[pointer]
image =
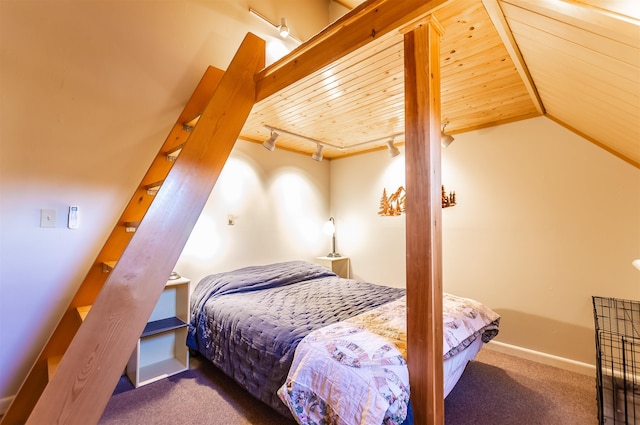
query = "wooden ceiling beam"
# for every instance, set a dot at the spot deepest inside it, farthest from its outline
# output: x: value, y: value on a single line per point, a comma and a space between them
x: 502, y: 27
x: 369, y: 21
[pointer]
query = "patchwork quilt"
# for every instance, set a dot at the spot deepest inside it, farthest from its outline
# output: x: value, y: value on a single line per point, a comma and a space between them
x: 355, y: 372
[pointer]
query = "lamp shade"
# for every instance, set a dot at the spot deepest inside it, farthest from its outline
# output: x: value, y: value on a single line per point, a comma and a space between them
x: 329, y: 227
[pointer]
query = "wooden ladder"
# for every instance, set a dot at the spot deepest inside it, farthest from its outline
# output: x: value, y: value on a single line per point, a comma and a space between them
x: 77, y: 370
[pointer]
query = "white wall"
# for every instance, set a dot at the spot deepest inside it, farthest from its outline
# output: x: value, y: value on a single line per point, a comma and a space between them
x: 544, y: 220
x: 279, y: 202
x: 89, y: 93
x: 375, y: 244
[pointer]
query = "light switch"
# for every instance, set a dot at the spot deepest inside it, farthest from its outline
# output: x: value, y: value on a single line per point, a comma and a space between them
x: 47, y: 218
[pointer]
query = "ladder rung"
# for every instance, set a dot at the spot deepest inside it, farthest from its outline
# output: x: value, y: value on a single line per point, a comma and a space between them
x: 52, y: 365
x: 83, y: 311
x: 173, y: 154
x: 131, y: 226
x: 189, y: 125
x: 153, y: 188
x: 107, y: 266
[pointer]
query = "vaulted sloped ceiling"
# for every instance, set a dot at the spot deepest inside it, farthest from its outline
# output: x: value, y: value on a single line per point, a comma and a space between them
x: 585, y: 65
x: 577, y: 62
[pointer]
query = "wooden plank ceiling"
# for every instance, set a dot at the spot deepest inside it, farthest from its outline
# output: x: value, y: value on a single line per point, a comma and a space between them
x: 501, y: 61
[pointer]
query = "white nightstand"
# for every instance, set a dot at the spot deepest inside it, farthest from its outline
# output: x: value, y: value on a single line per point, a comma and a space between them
x: 161, y: 350
x: 338, y: 265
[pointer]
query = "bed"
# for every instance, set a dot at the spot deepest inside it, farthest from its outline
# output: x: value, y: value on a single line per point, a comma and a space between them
x: 253, y: 323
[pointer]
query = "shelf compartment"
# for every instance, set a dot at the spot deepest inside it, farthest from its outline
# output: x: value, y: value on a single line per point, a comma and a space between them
x: 162, y: 350
x: 163, y: 369
x: 158, y: 356
x: 162, y: 325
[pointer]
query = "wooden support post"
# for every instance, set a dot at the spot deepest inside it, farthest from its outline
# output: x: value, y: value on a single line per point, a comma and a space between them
x: 424, y: 212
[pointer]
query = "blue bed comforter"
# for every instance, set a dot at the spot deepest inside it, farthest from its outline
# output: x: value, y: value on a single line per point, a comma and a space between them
x: 248, y: 322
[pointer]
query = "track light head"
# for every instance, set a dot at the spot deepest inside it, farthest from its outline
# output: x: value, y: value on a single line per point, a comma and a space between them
x: 393, y: 151
x: 283, y: 28
x: 445, y: 139
x: 317, y: 155
x: 270, y: 143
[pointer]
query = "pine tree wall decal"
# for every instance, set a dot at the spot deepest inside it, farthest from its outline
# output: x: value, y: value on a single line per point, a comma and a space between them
x: 395, y: 204
x: 384, y: 204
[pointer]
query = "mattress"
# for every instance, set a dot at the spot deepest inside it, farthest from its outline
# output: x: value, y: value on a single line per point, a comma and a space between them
x: 454, y: 366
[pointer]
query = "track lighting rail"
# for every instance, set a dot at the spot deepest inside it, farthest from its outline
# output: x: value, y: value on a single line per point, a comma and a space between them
x: 445, y: 140
x: 310, y: 139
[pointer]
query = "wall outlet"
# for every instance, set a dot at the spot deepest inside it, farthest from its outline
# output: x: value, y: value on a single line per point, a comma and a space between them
x: 47, y: 218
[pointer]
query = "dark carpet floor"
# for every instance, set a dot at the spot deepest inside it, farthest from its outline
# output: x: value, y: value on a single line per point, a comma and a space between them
x: 495, y: 389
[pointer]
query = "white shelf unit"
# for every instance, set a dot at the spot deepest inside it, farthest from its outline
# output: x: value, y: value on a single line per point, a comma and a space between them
x: 338, y: 265
x: 161, y: 350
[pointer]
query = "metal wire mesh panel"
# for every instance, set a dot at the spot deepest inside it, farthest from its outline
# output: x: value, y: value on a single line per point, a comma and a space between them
x: 617, y: 324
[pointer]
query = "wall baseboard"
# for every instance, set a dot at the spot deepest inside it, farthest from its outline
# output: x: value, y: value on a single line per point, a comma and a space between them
x: 544, y: 358
x: 4, y: 404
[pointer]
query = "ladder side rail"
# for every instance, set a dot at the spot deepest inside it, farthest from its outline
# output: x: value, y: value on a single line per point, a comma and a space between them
x: 37, y: 378
x: 93, y: 363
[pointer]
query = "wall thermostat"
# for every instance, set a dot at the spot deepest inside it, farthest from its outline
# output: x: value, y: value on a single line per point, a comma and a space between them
x: 74, y: 217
